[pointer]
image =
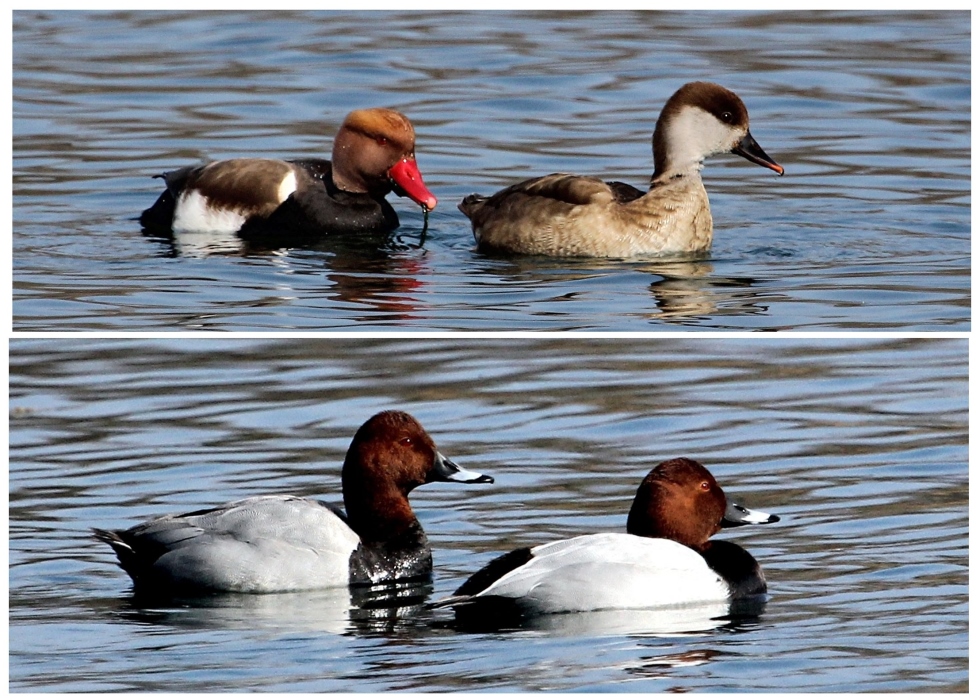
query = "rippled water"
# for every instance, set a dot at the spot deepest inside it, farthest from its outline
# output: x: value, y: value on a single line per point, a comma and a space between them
x: 868, y: 112
x: 859, y: 445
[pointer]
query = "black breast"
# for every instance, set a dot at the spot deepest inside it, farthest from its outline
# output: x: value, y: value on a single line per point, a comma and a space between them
x: 318, y: 209
x: 737, y: 567
x: 405, y: 557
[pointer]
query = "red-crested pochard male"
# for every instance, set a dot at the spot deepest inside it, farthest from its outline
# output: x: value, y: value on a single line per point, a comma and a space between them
x: 571, y: 215
x: 373, y: 154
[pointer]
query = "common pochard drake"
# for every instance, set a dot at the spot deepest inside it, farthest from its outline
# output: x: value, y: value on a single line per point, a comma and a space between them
x: 576, y: 216
x: 286, y: 543
x: 373, y: 154
x: 665, y: 559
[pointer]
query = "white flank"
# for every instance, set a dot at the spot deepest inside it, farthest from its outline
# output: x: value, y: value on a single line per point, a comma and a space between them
x: 195, y: 213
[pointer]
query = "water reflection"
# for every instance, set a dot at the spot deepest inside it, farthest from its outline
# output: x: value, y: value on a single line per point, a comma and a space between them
x: 388, y: 608
x: 203, y: 244
x: 681, y: 620
x: 383, y: 275
x: 384, y: 609
x: 661, y: 666
x: 386, y: 273
x: 688, y: 289
x: 197, y: 244
x: 679, y: 288
x: 326, y: 611
x: 678, y: 298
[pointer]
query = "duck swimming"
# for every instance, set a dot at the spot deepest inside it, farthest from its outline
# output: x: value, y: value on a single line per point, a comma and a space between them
x: 576, y: 216
x: 279, y: 543
x: 665, y: 559
x: 259, y: 198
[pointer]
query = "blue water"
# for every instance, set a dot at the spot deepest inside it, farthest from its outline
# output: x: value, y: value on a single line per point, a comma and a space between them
x: 859, y: 445
x: 869, y: 113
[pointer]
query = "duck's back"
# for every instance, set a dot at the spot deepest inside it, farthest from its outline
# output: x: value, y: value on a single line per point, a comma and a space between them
x: 267, y: 543
x: 265, y: 201
x: 609, y: 571
x: 568, y: 216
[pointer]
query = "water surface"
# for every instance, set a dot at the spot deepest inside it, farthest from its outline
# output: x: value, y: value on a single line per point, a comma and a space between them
x: 860, y: 446
x: 869, y: 113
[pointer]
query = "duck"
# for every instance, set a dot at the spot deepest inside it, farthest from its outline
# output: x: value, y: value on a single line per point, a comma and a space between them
x: 261, y: 198
x: 665, y: 559
x: 282, y: 543
x: 564, y: 215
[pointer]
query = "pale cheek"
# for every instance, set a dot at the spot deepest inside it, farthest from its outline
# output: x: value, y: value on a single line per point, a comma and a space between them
x: 696, y: 134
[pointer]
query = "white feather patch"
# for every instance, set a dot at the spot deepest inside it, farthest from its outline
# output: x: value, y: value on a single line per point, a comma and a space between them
x: 194, y: 212
x: 287, y: 187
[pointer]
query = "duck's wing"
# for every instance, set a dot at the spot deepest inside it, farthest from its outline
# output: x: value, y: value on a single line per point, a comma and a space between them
x: 551, y: 190
x: 547, y: 215
x: 257, y: 544
x: 624, y: 193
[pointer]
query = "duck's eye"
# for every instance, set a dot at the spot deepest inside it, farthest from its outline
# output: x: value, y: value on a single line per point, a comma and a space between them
x: 705, y: 486
x: 406, y: 441
x: 382, y: 141
x: 726, y: 117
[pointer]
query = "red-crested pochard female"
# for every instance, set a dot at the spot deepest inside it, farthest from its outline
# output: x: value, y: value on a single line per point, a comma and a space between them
x: 373, y: 154
x: 570, y: 215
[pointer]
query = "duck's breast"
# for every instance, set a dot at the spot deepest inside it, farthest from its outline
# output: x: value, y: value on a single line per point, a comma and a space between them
x: 610, y: 571
x: 672, y: 218
x: 263, y: 544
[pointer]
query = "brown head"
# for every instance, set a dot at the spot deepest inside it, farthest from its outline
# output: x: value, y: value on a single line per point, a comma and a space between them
x: 389, y: 456
x: 678, y: 500
x: 374, y: 152
x: 699, y: 120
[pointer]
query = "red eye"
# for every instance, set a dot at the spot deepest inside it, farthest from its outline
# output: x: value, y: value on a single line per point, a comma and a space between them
x: 406, y: 441
x: 705, y: 486
x: 382, y: 141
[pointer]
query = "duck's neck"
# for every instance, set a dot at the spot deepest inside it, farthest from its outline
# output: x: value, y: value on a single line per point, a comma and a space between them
x: 675, y: 150
x: 665, y: 172
x: 393, y: 545
x: 377, y: 514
